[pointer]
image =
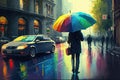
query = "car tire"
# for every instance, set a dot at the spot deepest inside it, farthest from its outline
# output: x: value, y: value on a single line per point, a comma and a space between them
x: 32, y: 52
x: 53, y: 49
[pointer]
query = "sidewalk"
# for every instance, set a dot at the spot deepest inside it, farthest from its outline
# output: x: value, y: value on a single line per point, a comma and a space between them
x: 113, y: 61
x: 114, y: 51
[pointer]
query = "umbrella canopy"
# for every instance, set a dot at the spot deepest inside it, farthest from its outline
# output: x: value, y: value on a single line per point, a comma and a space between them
x: 73, y: 22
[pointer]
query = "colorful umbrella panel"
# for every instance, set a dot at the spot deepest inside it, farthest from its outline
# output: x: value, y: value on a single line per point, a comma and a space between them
x: 73, y: 22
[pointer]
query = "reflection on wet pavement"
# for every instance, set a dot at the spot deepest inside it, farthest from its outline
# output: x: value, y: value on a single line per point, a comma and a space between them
x: 94, y: 64
x: 32, y: 69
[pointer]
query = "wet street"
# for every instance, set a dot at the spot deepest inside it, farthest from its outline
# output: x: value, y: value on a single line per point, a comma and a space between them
x: 94, y: 64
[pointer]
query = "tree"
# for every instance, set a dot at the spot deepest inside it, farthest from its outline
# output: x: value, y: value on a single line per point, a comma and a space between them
x: 99, y: 10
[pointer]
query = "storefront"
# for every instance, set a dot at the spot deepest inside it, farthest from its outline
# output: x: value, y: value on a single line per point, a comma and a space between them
x: 3, y: 25
x: 14, y: 23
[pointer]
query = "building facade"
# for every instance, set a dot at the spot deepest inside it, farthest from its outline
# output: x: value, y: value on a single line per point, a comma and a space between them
x: 22, y: 17
x: 57, y: 13
x: 116, y: 15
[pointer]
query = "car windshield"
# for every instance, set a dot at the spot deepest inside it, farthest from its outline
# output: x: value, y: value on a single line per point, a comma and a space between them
x: 24, y: 39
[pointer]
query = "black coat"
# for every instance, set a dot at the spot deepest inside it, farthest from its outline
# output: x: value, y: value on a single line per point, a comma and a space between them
x: 74, y: 39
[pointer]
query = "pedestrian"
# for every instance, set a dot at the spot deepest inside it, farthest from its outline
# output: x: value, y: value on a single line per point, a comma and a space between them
x: 112, y: 40
x: 89, y: 40
x: 74, y: 39
x: 107, y: 42
x: 102, y: 41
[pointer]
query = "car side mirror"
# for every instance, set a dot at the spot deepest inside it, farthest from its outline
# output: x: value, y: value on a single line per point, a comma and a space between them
x: 37, y: 41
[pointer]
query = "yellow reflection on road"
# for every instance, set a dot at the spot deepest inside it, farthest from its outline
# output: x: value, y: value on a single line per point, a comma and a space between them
x: 5, y: 70
x: 61, y: 56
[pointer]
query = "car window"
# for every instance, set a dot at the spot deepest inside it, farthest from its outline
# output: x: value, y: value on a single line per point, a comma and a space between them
x: 29, y: 39
x: 19, y: 38
x: 39, y: 38
x: 24, y: 39
x: 46, y: 38
x: 42, y: 38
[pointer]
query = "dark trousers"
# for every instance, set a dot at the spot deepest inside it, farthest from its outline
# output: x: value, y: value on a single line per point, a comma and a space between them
x: 75, y: 61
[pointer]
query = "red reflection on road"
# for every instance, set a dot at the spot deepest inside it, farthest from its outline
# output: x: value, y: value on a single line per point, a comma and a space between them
x: 11, y: 63
x: 101, y: 64
x: 88, y: 63
x: 59, y: 51
x: 59, y: 59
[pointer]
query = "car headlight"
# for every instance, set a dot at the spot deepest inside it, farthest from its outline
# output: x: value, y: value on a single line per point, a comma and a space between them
x: 4, y: 46
x: 22, y: 47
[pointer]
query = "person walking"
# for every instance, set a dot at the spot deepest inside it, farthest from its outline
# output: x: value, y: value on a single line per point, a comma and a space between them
x: 107, y: 42
x: 102, y: 41
x: 74, y: 39
x: 89, y: 40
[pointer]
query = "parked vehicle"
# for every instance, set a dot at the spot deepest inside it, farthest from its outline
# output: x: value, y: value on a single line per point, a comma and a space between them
x: 28, y: 45
x: 59, y: 39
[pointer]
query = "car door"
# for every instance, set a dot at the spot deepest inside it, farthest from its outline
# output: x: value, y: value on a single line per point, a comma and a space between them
x: 40, y: 44
x: 48, y: 43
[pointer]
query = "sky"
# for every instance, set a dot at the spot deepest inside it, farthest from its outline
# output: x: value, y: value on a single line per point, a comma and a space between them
x: 80, y: 5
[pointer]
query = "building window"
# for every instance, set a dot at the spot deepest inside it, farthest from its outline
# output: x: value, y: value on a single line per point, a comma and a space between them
x: 3, y: 26
x: 36, y: 26
x: 3, y: 3
x: 24, y: 5
x: 37, y: 7
x: 21, y: 26
x: 49, y: 9
x: 21, y: 4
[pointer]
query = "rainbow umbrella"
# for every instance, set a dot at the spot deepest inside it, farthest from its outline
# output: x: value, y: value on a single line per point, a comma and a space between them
x: 73, y: 22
